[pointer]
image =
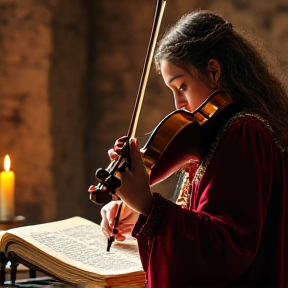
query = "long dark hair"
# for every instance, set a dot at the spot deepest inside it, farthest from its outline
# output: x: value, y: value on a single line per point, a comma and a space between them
x: 246, y: 74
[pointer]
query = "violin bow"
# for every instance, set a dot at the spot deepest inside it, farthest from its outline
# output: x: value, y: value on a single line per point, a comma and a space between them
x: 108, y: 181
x: 159, y: 11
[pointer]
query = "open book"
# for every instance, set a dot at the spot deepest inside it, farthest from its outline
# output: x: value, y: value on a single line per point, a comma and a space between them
x: 74, y: 251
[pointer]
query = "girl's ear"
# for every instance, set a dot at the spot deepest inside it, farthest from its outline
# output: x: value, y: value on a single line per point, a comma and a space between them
x: 214, y: 72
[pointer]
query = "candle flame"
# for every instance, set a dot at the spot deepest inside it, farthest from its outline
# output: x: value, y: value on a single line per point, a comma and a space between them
x: 7, y: 163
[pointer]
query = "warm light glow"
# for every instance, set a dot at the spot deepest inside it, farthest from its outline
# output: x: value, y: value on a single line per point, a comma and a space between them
x: 7, y: 163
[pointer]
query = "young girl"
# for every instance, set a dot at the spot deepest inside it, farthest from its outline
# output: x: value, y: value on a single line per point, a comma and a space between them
x: 227, y: 227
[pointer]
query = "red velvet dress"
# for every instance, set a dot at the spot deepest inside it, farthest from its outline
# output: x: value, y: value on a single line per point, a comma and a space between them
x: 231, y: 232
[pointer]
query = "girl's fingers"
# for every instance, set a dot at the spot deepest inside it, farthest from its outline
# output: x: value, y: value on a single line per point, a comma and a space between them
x: 106, y: 229
x: 112, y: 154
x: 136, y: 159
x: 108, y: 213
x: 128, y: 218
x: 124, y: 231
x: 120, y: 143
x: 120, y: 237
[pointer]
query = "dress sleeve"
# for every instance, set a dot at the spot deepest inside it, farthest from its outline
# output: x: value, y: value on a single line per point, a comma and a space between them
x: 217, y: 238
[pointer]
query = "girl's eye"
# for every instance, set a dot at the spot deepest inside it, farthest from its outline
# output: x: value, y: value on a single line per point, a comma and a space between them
x: 182, y: 87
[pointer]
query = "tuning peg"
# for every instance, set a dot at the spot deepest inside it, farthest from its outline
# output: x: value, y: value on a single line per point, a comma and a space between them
x: 102, y: 174
x: 113, y: 182
x: 99, y: 195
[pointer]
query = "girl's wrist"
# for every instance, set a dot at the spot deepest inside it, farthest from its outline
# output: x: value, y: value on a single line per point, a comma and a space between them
x: 148, y: 206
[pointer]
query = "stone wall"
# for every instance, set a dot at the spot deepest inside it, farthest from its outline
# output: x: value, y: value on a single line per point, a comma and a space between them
x: 69, y: 74
x: 25, y: 112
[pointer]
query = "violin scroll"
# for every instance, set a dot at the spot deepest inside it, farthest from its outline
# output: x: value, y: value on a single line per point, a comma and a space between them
x: 109, y: 178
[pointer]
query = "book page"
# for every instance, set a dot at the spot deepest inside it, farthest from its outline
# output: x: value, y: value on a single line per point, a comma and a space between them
x: 80, y: 243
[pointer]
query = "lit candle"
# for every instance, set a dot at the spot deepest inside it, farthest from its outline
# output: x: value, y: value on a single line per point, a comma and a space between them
x: 7, y: 184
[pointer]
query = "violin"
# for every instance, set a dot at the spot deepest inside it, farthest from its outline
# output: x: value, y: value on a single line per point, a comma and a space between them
x: 181, y: 137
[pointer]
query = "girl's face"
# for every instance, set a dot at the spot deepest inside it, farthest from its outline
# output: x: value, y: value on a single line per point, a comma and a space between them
x: 190, y: 87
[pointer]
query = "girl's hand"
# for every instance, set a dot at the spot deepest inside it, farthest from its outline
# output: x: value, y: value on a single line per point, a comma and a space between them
x: 135, y: 188
x: 127, y: 220
x: 119, y: 143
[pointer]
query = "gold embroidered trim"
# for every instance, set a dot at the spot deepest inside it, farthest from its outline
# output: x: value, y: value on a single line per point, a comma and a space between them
x: 245, y: 113
x: 184, y: 194
x: 158, y: 211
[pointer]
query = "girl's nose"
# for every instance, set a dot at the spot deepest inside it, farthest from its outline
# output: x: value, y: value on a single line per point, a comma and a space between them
x: 179, y: 101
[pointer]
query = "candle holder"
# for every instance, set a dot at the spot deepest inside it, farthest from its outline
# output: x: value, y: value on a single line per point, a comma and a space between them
x: 14, y: 222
